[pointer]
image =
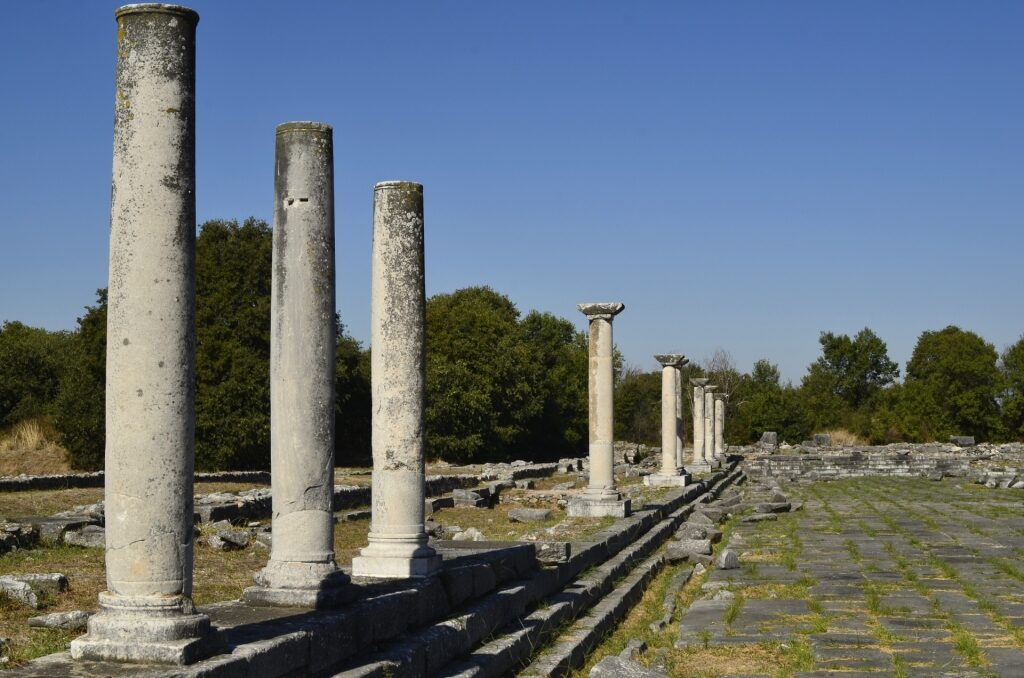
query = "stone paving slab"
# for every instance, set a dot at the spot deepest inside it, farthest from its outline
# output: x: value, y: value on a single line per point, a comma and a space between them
x: 877, y: 576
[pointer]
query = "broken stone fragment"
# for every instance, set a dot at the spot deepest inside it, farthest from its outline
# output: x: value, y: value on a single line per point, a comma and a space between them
x: 529, y: 515
x: 468, y: 498
x: 19, y: 592
x: 471, y: 534
x: 728, y: 560
x: 617, y: 667
x: 69, y: 621
x: 759, y: 517
x: 90, y: 536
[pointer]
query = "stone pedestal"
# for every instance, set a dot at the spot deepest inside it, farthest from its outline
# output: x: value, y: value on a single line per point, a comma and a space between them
x: 397, y: 541
x: 700, y: 464
x: 670, y: 474
x: 301, y: 571
x: 600, y: 498
x: 720, y: 427
x: 709, y: 426
x: 146, y: 613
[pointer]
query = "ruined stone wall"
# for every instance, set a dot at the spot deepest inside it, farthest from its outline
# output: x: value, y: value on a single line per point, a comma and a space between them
x: 993, y: 465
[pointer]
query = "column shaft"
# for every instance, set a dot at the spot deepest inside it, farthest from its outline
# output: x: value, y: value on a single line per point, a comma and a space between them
x: 680, y: 427
x: 719, y: 427
x: 147, y: 612
x: 303, y: 335
x: 398, y: 541
x: 698, y: 426
x: 668, y: 421
x: 602, y: 410
x: 709, y: 427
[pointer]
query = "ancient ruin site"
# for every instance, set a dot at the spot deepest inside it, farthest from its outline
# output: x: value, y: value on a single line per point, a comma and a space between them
x: 245, y: 490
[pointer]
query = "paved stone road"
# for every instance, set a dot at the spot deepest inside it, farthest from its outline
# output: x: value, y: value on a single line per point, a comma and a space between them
x: 875, y: 576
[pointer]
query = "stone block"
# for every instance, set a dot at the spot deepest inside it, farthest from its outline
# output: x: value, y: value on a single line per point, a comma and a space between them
x: 468, y: 498
x: 584, y: 507
x: 553, y: 551
x: 962, y: 441
x: 69, y: 621
x: 822, y: 440
x: 529, y: 515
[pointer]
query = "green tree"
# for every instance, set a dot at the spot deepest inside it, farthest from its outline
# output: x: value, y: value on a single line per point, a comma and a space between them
x: 31, y: 362
x: 233, y: 272
x: 638, y: 406
x: 858, y: 368
x: 352, y: 402
x: 481, y: 377
x: 559, y: 351
x: 1012, y: 366
x: 79, y: 409
x: 953, y: 385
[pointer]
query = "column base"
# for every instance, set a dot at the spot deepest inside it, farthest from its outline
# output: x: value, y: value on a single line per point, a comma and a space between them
x: 393, y: 567
x: 659, y: 480
x: 702, y: 467
x: 288, y: 583
x: 146, y: 629
x: 590, y: 507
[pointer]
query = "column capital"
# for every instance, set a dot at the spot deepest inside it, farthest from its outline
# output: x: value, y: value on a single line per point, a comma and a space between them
x: 671, y: 359
x: 701, y: 381
x: 721, y: 396
x: 710, y: 387
x: 601, y: 310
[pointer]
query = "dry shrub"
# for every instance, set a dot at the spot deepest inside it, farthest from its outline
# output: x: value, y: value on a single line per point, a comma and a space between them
x: 30, y: 447
x: 841, y: 436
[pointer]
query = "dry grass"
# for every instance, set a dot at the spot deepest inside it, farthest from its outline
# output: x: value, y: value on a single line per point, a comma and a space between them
x: 841, y: 436
x: 31, y: 447
x: 218, y: 576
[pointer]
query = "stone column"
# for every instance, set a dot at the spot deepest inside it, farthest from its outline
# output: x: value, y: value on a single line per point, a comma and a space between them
x: 398, y: 541
x: 680, y: 426
x: 670, y: 474
x: 301, y: 571
x: 700, y: 464
x: 709, y: 426
x: 146, y: 613
x: 720, y: 399
x: 600, y: 498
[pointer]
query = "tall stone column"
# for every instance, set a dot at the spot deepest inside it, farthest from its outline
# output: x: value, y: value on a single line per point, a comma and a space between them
x: 680, y: 427
x: 670, y: 474
x: 700, y: 463
x: 146, y: 613
x: 600, y: 498
x: 720, y: 426
x: 709, y: 426
x: 398, y: 541
x: 301, y: 571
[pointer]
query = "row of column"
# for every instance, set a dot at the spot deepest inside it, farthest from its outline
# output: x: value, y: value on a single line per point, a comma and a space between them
x: 708, y: 425
x: 146, y: 613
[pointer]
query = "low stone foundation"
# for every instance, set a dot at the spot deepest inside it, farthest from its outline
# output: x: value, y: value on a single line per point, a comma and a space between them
x: 992, y: 465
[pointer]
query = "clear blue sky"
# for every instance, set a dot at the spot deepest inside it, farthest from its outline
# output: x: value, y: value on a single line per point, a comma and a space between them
x: 742, y: 175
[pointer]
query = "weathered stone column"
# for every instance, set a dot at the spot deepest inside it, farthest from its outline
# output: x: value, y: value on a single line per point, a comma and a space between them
x: 670, y: 473
x: 146, y: 613
x: 398, y: 541
x: 600, y: 498
x: 709, y: 426
x: 700, y: 463
x: 720, y: 399
x: 680, y: 426
x: 301, y: 571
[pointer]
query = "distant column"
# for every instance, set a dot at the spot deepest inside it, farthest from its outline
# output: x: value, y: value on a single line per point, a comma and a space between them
x: 680, y: 426
x: 670, y: 474
x: 146, y: 613
x: 720, y: 426
x: 699, y: 462
x: 398, y: 540
x: 709, y: 426
x: 301, y: 570
x: 600, y: 498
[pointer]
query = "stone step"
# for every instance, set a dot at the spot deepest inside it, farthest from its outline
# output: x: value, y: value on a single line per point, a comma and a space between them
x: 608, y: 591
